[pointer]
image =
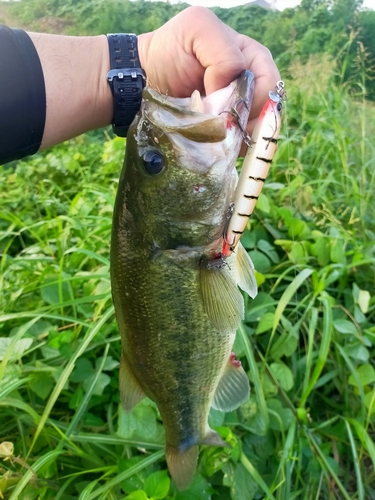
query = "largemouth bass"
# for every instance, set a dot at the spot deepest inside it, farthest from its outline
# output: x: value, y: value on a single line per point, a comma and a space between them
x: 176, y: 298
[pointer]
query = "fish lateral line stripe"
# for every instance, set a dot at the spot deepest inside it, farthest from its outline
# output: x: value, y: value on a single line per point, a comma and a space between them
x: 266, y: 160
x: 270, y: 139
x: 260, y: 179
x: 251, y: 197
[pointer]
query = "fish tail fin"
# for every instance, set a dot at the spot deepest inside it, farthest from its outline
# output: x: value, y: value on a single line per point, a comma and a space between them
x: 182, y: 464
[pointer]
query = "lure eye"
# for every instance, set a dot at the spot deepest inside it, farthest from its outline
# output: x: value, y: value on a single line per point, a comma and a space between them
x: 153, y: 161
x: 279, y: 107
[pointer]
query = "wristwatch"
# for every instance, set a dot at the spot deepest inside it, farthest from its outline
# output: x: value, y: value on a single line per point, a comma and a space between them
x: 126, y: 80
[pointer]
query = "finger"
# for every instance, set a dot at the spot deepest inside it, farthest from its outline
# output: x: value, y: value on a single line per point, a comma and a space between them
x: 215, y: 49
x: 259, y: 60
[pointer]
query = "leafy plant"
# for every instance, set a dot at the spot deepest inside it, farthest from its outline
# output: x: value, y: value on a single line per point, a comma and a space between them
x: 307, y: 341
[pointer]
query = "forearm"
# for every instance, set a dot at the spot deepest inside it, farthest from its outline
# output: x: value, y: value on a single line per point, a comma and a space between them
x: 78, y: 96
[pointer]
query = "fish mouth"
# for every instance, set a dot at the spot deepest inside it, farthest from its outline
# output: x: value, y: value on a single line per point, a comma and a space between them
x: 202, y: 119
x: 203, y: 130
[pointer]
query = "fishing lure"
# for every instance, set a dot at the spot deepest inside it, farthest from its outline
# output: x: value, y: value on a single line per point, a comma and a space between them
x: 255, y: 167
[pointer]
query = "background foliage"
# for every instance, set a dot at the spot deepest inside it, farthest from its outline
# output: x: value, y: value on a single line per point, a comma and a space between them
x: 307, y: 341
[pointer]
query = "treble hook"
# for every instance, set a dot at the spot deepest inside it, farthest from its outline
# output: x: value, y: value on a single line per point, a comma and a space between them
x: 245, y: 136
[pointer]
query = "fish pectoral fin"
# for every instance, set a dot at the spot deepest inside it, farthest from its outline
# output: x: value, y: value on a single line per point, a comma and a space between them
x: 233, y: 388
x: 222, y: 301
x: 181, y: 464
x: 245, y: 272
x: 130, y: 390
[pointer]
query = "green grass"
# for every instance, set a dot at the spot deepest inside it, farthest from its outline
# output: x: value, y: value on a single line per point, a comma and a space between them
x: 307, y: 341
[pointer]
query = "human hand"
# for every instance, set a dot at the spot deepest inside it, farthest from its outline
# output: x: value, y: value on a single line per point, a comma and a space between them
x: 195, y: 50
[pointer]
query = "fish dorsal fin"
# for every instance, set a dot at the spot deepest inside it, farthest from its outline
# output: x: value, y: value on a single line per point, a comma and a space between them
x: 245, y: 272
x: 181, y: 464
x: 222, y: 301
x: 233, y: 388
x: 130, y: 390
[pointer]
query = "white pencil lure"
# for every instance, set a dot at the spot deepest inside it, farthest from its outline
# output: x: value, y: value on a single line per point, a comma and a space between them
x: 255, y: 168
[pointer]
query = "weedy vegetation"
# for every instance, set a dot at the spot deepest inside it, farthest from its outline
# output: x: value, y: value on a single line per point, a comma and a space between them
x: 307, y: 341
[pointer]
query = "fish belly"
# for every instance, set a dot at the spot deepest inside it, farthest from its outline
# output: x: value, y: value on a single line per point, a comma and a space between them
x: 169, y: 343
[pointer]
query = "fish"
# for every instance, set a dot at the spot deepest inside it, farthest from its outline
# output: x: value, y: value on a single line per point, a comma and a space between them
x: 256, y: 164
x: 177, y: 301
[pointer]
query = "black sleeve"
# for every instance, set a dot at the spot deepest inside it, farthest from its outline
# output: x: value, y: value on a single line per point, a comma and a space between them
x: 22, y: 96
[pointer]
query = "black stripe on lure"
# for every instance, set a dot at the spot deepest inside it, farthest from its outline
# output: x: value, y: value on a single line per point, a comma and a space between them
x: 255, y: 168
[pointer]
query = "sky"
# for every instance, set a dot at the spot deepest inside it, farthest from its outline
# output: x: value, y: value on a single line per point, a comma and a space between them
x: 280, y: 4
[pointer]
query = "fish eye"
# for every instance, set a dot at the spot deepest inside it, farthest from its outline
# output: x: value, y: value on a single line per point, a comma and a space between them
x: 153, y: 161
x: 279, y: 107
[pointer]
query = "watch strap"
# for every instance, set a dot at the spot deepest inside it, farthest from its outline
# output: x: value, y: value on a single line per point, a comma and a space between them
x: 126, y: 80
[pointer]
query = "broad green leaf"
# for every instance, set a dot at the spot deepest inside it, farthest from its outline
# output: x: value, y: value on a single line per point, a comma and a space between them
x: 268, y: 385
x: 285, y: 345
x: 357, y: 351
x: 298, y: 229
x: 269, y: 250
x: 345, y: 326
x: 280, y: 417
x: 248, y: 239
x: 263, y: 203
x: 283, y: 375
x: 299, y: 252
x: 321, y: 250
x: 244, y: 486
x: 42, y: 384
x: 39, y: 328
x: 216, y: 418
x: 337, y: 251
x: 265, y: 323
x: 137, y: 495
x: 56, y: 338
x: 109, y: 365
x: 141, y: 423
x: 82, y: 370
x: 198, y: 489
x: 366, y: 374
x: 102, y: 381
x: 261, y: 262
x: 157, y: 485
x: 364, y: 300
x: 258, y: 306
x: 19, y: 347
x: 56, y: 290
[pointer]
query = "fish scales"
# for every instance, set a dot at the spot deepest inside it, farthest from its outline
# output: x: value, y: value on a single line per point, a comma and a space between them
x: 177, y: 315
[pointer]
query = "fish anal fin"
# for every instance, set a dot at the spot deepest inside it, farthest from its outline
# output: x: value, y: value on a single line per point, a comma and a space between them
x: 130, y: 390
x: 233, y: 388
x: 182, y: 464
x: 222, y: 301
x: 245, y: 272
